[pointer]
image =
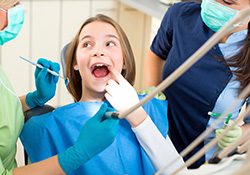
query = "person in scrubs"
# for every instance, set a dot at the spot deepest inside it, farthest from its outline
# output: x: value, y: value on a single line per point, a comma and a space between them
x: 12, y: 108
x: 211, y: 84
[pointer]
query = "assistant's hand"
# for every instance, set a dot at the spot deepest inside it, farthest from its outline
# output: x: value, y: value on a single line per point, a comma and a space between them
x: 96, y: 135
x: 45, y: 84
x: 122, y: 96
x: 230, y: 136
x: 148, y: 90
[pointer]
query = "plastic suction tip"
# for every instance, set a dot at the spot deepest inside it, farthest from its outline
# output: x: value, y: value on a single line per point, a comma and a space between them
x: 112, y: 114
x: 214, y: 160
x: 66, y: 81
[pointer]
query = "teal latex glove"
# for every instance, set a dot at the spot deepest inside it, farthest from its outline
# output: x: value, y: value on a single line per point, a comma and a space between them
x: 96, y: 135
x: 230, y: 136
x: 45, y: 84
x: 148, y: 90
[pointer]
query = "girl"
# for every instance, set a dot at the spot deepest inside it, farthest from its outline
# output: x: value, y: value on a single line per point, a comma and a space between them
x: 100, y: 66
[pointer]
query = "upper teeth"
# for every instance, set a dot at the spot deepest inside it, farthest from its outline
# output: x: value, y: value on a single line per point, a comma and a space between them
x: 100, y: 65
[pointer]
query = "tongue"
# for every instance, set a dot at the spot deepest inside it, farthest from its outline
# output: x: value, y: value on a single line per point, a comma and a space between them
x: 100, y: 72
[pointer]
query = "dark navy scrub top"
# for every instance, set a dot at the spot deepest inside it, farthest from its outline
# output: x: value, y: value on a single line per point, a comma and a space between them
x: 182, y: 32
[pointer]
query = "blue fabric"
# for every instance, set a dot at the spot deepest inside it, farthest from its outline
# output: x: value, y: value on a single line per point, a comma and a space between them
x: 47, y: 135
x: 182, y: 32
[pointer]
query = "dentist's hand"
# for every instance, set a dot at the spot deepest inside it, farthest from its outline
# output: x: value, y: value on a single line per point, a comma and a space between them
x: 96, y: 135
x: 121, y: 95
x: 230, y: 136
x: 45, y: 84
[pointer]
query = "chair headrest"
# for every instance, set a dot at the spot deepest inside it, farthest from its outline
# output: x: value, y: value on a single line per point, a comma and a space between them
x: 63, y: 58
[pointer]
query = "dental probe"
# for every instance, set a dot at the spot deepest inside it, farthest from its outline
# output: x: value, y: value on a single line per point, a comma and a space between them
x: 50, y: 71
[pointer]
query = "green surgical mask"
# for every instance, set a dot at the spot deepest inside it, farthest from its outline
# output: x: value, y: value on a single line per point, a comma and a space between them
x: 15, y: 22
x: 215, y: 15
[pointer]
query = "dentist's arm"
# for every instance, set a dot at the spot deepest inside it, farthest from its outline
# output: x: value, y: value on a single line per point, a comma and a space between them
x: 25, y: 107
x: 48, y: 166
x: 153, y: 69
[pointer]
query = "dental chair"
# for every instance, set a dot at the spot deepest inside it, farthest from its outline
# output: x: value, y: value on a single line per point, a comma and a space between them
x: 63, y: 59
x: 46, y: 108
x: 35, y: 112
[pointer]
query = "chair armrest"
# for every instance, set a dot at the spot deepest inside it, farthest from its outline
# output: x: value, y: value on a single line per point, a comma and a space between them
x: 37, y: 111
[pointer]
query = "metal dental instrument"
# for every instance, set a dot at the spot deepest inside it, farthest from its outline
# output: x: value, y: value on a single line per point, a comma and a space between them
x: 66, y: 80
x: 225, y: 125
x: 231, y: 147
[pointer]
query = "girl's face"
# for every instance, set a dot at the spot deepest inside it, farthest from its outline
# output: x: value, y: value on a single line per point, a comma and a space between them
x: 235, y: 4
x: 99, y: 47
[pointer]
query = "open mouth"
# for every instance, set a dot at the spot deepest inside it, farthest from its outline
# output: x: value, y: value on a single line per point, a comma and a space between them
x: 99, y: 70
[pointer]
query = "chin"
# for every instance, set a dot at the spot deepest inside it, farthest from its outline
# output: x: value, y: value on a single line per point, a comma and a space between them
x: 100, y: 89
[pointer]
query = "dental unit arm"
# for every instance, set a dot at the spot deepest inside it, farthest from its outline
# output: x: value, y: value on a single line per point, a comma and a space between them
x: 241, y: 18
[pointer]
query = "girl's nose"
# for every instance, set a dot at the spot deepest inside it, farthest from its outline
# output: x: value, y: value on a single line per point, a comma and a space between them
x: 97, y: 54
x: 98, y: 51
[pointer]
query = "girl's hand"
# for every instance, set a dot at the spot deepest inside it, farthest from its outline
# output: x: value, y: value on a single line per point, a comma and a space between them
x: 121, y: 95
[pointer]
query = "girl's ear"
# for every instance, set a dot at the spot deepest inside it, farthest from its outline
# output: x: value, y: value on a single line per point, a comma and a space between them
x: 124, y: 66
x: 76, y: 67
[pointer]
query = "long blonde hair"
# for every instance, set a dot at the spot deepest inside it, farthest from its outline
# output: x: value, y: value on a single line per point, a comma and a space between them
x: 75, y: 85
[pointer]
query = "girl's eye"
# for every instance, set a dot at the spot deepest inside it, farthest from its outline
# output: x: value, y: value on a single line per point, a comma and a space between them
x: 110, y: 44
x: 86, y: 45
